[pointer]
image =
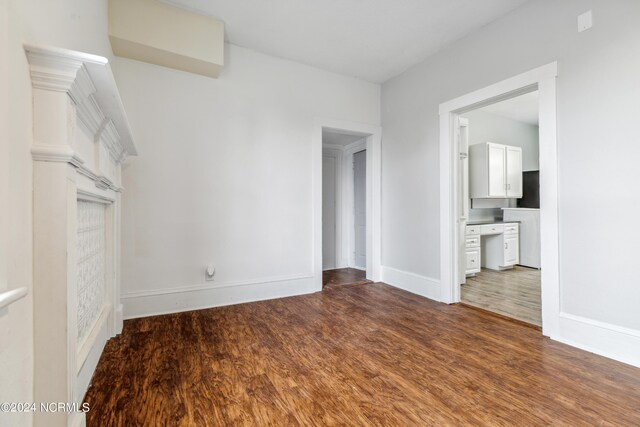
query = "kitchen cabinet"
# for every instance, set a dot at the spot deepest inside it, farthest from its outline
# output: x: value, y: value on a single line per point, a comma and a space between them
x: 472, y: 250
x: 495, y: 171
x: 495, y: 246
x: 502, y: 251
x: 529, y: 219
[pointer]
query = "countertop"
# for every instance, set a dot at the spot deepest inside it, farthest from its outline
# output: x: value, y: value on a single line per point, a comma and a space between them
x: 490, y: 222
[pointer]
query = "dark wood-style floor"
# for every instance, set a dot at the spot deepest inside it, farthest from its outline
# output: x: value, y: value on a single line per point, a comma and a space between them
x: 353, y: 355
x: 343, y: 276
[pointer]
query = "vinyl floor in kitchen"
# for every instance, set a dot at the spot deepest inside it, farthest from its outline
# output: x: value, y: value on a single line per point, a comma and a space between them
x: 512, y: 293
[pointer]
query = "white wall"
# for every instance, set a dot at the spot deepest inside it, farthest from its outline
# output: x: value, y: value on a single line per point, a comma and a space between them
x: 225, y: 176
x: 74, y: 24
x: 597, y: 136
x: 487, y: 127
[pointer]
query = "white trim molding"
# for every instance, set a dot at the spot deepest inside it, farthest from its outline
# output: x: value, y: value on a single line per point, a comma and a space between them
x: 89, y: 83
x: 76, y: 109
x: 420, y: 285
x: 197, y: 297
x: 605, y: 339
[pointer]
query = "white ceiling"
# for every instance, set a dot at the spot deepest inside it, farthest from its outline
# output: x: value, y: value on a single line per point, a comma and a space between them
x: 340, y: 137
x: 522, y: 108
x: 369, y: 39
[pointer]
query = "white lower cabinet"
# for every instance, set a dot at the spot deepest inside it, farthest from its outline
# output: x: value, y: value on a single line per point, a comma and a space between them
x: 502, y: 250
x: 511, y: 250
x: 472, y: 245
x: 494, y: 246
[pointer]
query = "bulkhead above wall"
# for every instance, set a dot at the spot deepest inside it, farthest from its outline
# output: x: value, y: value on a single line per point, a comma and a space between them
x: 157, y: 33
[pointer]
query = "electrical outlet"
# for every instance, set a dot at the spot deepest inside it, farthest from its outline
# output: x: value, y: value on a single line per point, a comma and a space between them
x: 209, y: 272
x: 585, y: 21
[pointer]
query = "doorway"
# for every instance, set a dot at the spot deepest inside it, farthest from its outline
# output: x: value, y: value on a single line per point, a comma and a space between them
x: 499, y: 186
x: 453, y: 217
x: 349, y: 194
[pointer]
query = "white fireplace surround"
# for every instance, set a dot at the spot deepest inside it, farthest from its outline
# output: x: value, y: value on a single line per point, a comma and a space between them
x: 81, y: 136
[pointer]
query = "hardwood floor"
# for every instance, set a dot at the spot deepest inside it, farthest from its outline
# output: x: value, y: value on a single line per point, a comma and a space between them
x: 343, y: 276
x: 513, y: 293
x: 353, y: 355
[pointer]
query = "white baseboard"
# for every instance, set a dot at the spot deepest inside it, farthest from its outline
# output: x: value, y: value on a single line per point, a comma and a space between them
x: 90, y: 362
x: 605, y: 339
x: 174, y: 300
x: 119, y: 320
x: 411, y: 282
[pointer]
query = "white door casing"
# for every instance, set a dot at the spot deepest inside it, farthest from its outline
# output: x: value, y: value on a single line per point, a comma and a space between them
x: 462, y: 135
x: 329, y: 209
x: 360, y: 208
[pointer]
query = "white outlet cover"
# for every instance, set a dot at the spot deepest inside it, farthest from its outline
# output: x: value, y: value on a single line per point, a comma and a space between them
x: 209, y: 272
x: 585, y: 21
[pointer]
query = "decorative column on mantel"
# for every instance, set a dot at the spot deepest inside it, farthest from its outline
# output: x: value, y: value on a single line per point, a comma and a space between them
x: 80, y: 138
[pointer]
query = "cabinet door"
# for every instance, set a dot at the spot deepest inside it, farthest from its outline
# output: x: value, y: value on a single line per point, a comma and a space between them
x: 514, y: 171
x: 473, y: 261
x: 511, y: 250
x: 496, y: 168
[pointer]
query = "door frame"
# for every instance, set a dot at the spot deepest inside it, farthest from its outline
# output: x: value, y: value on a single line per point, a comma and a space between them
x: 373, y: 135
x: 337, y: 154
x: 542, y: 79
x: 350, y: 202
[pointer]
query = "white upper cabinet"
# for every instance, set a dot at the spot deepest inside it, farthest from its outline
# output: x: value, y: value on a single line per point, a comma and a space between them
x: 495, y: 171
x: 495, y: 167
x: 513, y: 168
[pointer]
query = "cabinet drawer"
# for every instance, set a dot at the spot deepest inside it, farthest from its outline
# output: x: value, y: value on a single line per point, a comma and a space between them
x: 472, y: 229
x: 473, y: 261
x: 491, y: 229
x: 472, y: 241
x: 510, y: 228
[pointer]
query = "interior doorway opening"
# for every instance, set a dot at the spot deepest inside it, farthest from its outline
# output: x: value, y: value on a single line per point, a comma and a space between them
x: 344, y: 207
x: 499, y: 196
x: 453, y: 220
